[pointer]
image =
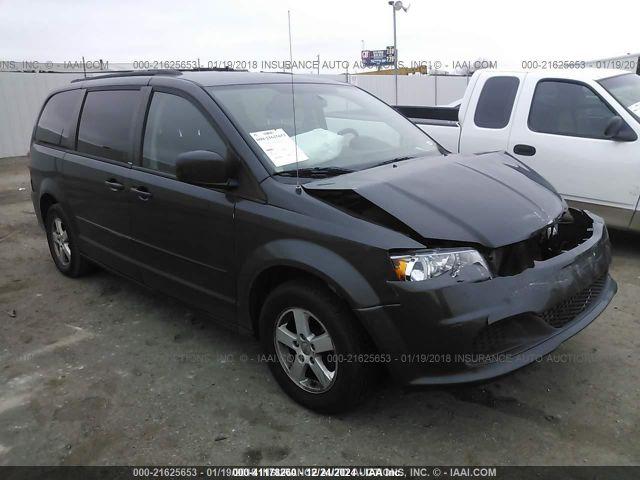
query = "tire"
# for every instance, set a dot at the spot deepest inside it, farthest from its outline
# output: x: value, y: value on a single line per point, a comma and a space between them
x: 347, y: 378
x: 64, y: 248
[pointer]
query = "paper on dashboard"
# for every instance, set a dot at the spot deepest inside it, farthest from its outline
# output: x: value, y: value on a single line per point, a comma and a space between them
x: 279, y: 147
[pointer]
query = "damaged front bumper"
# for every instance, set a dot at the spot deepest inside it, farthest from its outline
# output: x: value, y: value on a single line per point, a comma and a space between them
x: 474, y: 331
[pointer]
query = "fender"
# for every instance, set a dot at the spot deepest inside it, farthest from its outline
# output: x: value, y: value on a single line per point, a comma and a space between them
x: 51, y: 186
x: 319, y: 261
x: 45, y: 166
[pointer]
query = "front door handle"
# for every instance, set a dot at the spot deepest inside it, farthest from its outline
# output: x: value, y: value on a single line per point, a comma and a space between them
x: 526, y: 150
x: 114, y: 185
x: 142, y: 192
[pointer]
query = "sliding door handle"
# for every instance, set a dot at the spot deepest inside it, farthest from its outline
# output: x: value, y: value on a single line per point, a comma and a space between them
x: 142, y: 192
x: 114, y: 185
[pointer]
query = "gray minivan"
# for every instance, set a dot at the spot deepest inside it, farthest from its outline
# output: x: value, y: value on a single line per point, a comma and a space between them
x: 314, y: 216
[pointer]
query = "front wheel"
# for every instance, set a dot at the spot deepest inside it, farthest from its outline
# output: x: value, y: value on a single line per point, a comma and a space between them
x: 316, y: 350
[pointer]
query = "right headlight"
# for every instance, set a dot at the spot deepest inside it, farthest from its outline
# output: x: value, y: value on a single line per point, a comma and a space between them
x: 427, y: 264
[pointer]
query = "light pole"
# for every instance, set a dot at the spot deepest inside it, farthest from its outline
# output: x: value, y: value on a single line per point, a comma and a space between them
x: 397, y: 5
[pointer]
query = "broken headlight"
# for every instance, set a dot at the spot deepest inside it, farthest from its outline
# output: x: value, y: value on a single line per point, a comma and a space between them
x: 465, y: 264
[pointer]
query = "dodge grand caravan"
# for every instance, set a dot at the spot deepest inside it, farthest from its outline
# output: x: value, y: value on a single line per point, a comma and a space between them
x: 313, y: 215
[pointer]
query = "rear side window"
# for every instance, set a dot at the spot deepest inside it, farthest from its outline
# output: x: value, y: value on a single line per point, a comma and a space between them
x: 174, y: 126
x: 56, y: 122
x: 496, y: 102
x: 106, y: 124
x: 564, y: 108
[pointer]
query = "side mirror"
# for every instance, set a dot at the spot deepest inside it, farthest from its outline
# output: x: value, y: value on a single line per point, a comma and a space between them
x: 613, y: 127
x: 617, y: 129
x: 205, y: 168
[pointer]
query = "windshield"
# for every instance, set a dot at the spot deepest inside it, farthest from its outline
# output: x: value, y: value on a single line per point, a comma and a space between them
x: 626, y: 90
x: 338, y: 128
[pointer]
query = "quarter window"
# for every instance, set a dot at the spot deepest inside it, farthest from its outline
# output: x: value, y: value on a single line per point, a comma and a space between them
x: 55, y: 125
x: 564, y: 108
x: 496, y: 102
x: 106, y: 126
x: 174, y: 126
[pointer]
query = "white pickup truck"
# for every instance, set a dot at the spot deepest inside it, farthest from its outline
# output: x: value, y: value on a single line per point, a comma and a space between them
x: 579, y: 129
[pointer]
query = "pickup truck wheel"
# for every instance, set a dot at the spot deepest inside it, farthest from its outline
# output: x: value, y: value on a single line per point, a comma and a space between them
x: 63, y: 244
x: 314, y: 347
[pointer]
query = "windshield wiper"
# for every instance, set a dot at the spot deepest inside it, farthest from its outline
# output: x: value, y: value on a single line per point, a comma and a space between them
x: 315, y: 172
x: 394, y: 160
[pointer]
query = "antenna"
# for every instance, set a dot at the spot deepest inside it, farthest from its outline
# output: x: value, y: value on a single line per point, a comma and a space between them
x: 293, y: 103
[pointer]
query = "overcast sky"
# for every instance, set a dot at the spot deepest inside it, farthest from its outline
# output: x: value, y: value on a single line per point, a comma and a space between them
x: 445, y: 31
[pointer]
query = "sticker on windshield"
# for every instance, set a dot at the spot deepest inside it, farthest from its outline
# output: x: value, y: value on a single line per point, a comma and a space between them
x: 635, y: 108
x: 278, y: 146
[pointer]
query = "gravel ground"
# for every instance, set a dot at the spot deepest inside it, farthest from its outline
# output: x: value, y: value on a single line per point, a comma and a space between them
x: 101, y: 371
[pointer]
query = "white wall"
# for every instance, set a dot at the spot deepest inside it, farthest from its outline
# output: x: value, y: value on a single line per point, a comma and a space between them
x: 21, y: 97
x: 422, y: 90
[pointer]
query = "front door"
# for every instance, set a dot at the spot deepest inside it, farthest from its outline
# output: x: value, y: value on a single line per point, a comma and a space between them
x: 183, y: 234
x: 561, y: 136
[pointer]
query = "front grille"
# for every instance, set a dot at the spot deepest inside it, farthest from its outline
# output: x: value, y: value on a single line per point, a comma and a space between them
x: 491, y: 339
x: 574, y: 228
x: 516, y: 332
x: 569, y: 309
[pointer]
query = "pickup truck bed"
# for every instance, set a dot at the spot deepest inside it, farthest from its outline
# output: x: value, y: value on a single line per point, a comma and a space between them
x: 440, y: 122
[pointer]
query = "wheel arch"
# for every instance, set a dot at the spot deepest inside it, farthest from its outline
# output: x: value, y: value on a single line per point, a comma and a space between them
x: 283, y: 260
x: 49, y: 194
x: 46, y: 201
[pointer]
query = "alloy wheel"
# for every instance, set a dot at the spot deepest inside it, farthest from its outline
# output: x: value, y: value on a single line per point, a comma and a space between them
x: 60, y: 241
x: 305, y: 350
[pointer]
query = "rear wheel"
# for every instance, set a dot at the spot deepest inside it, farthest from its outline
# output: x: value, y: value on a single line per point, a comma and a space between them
x: 314, y: 346
x: 63, y: 243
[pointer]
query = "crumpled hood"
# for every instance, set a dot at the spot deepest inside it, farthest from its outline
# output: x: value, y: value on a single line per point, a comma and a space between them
x: 491, y: 199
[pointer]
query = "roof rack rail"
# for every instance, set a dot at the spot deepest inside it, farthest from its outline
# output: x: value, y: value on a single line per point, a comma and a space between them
x: 213, y: 69
x: 131, y: 73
